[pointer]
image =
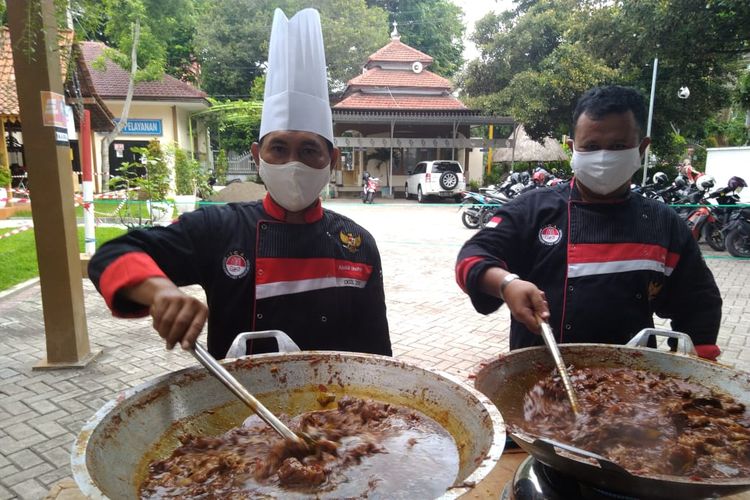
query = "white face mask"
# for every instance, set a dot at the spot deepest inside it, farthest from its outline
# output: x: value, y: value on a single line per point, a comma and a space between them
x: 604, y: 171
x: 294, y: 185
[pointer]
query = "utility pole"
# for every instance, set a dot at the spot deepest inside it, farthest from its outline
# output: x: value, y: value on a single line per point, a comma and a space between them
x: 36, y: 60
x: 650, y: 116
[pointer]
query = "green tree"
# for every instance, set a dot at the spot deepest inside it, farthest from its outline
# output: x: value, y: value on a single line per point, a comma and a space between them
x: 537, y: 59
x: 232, y: 39
x: 433, y: 26
x: 169, y: 27
x: 235, y: 123
x: 143, y: 36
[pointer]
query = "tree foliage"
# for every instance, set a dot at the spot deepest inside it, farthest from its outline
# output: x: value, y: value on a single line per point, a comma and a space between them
x: 235, y: 123
x: 433, y: 26
x: 166, y: 27
x: 232, y: 40
x: 537, y: 59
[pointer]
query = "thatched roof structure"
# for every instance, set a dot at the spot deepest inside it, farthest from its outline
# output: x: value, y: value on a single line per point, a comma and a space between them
x: 528, y: 149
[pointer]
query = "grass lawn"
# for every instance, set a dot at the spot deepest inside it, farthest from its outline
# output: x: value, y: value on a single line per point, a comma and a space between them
x: 102, y: 208
x: 18, y: 254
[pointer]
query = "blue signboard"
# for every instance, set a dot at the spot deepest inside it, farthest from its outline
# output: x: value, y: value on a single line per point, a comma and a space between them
x: 136, y: 126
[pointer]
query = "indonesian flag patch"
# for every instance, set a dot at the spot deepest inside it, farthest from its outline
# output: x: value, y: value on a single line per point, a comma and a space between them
x: 494, y: 221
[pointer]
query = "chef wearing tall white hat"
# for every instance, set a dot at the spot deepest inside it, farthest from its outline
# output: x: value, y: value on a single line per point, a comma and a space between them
x: 283, y: 263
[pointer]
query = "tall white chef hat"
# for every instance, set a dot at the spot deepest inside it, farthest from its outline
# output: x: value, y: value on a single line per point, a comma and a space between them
x: 296, y: 94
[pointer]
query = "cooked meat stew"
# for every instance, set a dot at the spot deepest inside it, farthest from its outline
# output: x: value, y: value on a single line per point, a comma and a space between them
x: 648, y: 423
x: 364, y: 448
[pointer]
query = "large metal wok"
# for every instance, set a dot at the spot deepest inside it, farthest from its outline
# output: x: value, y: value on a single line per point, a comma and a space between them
x: 114, y: 447
x: 507, y: 379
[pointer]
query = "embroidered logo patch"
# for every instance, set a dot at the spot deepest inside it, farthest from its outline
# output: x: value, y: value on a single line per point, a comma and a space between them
x: 351, y: 242
x: 236, y: 265
x: 550, y: 235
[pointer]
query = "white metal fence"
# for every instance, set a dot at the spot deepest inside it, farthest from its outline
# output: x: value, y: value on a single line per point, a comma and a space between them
x: 241, y: 165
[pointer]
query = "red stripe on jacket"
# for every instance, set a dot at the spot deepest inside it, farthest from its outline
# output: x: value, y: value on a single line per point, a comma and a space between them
x: 274, y: 270
x: 463, y: 268
x: 582, y: 253
x: 130, y: 269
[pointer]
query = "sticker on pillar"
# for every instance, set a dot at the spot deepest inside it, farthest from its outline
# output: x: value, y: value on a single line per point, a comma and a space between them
x: 53, y: 109
x: 61, y: 136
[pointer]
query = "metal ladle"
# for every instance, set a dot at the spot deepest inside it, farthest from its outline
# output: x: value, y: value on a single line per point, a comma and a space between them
x: 549, y: 339
x: 218, y: 371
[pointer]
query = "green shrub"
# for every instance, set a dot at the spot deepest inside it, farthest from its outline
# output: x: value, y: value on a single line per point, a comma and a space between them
x: 4, y: 176
x: 221, y: 167
x: 187, y: 172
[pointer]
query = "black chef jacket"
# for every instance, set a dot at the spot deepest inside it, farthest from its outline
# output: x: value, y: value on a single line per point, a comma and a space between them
x: 605, y: 268
x: 320, y: 282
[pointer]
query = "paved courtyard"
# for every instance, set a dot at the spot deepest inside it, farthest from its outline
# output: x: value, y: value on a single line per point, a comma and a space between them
x: 432, y: 324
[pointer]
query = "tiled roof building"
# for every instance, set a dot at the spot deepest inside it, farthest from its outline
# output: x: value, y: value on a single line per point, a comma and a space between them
x: 8, y: 97
x: 112, y: 82
x: 75, y: 85
x: 396, y: 78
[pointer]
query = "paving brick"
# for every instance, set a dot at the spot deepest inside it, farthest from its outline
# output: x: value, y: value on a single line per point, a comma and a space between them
x: 25, y: 459
x: 50, y: 478
x: 58, y: 455
x: 13, y: 407
x: 65, y: 441
x: 8, y: 470
x: 20, y: 431
x: 30, y: 489
x: 42, y: 406
x: 6, y: 494
x: 24, y: 475
x: 50, y: 429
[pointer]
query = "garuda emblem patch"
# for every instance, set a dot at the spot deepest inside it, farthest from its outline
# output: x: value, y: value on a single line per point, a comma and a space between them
x: 654, y: 289
x: 350, y: 241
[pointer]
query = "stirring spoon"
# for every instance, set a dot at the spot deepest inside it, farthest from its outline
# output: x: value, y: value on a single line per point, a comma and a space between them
x: 549, y: 339
x: 226, y: 378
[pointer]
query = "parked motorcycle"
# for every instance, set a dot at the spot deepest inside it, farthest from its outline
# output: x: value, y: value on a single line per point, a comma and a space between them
x: 477, y: 208
x: 725, y: 197
x: 369, y: 188
x: 737, y: 233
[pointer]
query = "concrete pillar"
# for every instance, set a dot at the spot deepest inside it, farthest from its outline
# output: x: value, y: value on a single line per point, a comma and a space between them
x: 39, y: 86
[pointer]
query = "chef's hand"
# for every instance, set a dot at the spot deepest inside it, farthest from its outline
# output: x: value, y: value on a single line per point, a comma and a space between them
x: 177, y: 317
x: 526, y: 302
x: 523, y: 298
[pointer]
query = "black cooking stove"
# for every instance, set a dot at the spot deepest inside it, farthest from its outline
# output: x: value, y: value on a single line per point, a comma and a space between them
x: 535, y: 481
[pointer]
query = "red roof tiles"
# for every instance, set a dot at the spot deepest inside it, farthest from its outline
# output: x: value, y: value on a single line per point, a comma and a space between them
x: 396, y: 51
x: 112, y: 83
x: 8, y: 96
x: 378, y: 77
x: 360, y: 100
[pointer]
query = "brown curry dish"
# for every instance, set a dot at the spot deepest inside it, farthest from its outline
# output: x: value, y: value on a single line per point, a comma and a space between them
x: 648, y: 423
x: 363, y: 447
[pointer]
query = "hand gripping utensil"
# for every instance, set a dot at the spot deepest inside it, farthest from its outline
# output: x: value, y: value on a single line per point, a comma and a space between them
x: 549, y: 339
x: 244, y: 395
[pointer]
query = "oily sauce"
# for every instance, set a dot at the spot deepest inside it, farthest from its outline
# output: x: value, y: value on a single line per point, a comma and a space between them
x: 365, y: 449
x: 646, y: 422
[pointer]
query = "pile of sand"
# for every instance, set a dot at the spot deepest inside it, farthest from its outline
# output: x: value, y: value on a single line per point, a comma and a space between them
x: 240, y: 191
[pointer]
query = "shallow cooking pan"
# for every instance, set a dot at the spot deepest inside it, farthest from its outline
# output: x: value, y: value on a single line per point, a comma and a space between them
x: 113, y: 449
x: 506, y: 379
